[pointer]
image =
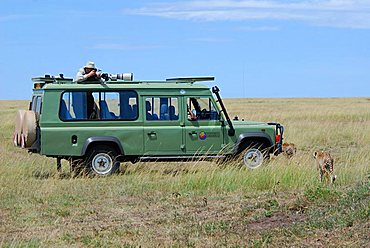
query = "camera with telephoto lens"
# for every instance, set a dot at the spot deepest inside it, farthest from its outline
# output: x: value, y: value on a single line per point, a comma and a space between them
x: 105, y: 76
x: 122, y: 76
x: 118, y: 76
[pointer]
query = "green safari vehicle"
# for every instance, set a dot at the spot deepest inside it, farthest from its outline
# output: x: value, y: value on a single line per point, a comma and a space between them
x: 98, y: 124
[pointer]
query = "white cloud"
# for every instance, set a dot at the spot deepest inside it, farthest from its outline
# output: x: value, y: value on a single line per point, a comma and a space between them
x: 111, y: 46
x: 332, y: 13
x: 211, y: 40
x: 257, y: 29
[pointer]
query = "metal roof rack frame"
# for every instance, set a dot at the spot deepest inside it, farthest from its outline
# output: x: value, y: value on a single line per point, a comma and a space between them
x: 190, y: 80
x: 52, y: 79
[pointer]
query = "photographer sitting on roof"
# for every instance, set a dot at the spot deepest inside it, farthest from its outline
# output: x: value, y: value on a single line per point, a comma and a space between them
x: 88, y: 73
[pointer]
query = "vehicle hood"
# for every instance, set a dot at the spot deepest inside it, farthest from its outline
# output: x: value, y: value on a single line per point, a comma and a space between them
x: 249, y: 123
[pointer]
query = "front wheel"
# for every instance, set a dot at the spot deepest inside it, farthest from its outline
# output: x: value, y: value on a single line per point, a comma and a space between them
x: 102, y: 160
x: 254, y: 155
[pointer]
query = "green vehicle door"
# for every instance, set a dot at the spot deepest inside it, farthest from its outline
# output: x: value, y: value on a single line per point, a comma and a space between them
x: 162, y: 126
x: 204, y: 133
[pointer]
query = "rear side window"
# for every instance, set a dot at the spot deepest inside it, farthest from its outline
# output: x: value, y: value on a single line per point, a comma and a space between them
x: 36, y: 104
x: 161, y: 109
x: 98, y: 105
x: 32, y: 104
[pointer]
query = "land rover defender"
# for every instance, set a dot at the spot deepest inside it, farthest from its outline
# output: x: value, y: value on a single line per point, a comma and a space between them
x: 100, y: 124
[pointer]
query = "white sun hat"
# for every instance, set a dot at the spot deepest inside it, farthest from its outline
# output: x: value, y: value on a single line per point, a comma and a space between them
x: 90, y: 64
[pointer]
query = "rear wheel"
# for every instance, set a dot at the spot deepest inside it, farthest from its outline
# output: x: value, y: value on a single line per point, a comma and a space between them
x: 102, y: 160
x: 254, y: 154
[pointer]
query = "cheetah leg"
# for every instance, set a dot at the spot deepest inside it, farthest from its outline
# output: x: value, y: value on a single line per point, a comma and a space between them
x: 327, y: 177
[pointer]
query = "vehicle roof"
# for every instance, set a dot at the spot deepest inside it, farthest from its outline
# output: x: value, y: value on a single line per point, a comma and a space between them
x: 126, y: 85
x: 60, y: 83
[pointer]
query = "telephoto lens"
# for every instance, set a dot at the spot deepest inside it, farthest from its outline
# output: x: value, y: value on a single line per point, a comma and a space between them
x: 122, y: 76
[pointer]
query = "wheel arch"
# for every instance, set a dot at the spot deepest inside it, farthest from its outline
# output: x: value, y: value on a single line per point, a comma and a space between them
x: 102, y: 140
x: 252, y: 137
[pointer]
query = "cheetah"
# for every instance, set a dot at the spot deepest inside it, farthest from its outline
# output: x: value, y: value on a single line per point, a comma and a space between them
x: 289, y: 149
x: 325, y: 165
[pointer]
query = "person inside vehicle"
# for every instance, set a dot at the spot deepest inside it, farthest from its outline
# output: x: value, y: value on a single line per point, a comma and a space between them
x: 92, y: 108
x: 148, y: 108
x: 88, y: 73
x: 191, y: 115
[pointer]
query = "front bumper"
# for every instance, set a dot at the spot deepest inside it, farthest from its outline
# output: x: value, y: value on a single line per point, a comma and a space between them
x: 279, y: 130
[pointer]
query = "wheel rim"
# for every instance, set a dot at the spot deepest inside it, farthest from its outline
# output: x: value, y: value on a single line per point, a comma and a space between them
x: 102, y: 163
x: 253, y: 158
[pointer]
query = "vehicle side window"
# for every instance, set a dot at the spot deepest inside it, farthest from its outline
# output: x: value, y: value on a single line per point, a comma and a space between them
x: 33, y: 104
x: 99, y: 105
x: 38, y: 105
x: 66, y: 111
x: 127, y: 105
x: 161, y: 108
x: 201, y: 108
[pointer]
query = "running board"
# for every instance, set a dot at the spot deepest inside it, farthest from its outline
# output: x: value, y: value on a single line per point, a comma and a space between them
x: 179, y: 158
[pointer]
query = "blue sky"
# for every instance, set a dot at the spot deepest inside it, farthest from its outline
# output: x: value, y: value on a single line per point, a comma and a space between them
x: 297, y: 48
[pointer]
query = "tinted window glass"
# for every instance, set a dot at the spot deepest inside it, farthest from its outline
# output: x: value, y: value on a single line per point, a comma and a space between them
x: 120, y: 105
x: 38, y: 105
x: 33, y: 104
x: 161, y: 108
x: 201, y: 108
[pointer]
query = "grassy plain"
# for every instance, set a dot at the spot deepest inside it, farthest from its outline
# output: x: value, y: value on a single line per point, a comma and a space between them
x: 201, y: 204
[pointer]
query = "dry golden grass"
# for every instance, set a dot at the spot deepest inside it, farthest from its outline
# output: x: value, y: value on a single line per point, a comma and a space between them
x: 200, y: 203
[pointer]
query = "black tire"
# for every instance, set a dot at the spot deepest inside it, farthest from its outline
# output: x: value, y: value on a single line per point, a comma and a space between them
x: 254, y: 154
x: 101, y: 160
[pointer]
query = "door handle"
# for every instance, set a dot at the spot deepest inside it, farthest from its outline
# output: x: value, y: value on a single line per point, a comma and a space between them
x: 152, y: 133
x: 193, y: 133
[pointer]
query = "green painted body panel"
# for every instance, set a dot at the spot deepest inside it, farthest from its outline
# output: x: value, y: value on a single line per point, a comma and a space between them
x: 141, y: 137
x: 204, y: 137
x: 245, y: 127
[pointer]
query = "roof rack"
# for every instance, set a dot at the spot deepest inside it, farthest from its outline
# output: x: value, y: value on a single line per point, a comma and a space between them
x: 39, y: 82
x: 52, y: 79
x: 190, y: 80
